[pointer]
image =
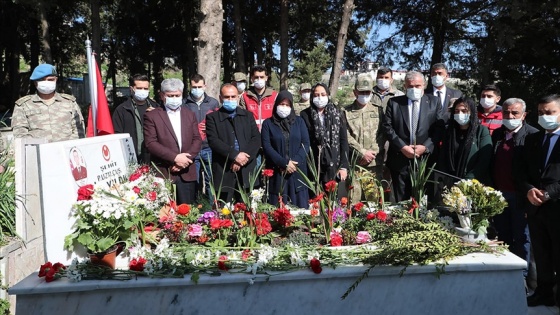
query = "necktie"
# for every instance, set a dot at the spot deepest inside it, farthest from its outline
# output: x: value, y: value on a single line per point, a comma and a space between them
x: 545, y: 149
x: 414, y: 122
x: 440, y: 100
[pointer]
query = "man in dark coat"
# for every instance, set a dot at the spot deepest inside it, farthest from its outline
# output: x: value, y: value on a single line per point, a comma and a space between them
x: 509, y: 140
x: 413, y: 124
x: 173, y: 140
x: 235, y: 141
x: 539, y: 179
x: 128, y: 117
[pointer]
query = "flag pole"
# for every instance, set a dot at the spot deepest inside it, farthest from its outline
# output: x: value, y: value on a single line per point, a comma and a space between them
x: 92, y: 85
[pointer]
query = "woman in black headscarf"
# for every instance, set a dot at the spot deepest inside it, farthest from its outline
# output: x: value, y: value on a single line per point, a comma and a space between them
x: 467, y: 146
x: 285, y: 142
x: 327, y: 133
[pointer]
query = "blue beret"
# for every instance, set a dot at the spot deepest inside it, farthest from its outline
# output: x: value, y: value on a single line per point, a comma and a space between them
x: 42, y: 71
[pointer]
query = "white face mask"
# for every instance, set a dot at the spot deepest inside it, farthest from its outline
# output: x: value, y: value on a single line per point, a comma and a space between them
x: 549, y: 122
x: 46, y: 87
x: 414, y: 94
x: 141, y: 95
x: 173, y: 102
x: 487, y: 102
x: 321, y: 101
x: 383, y: 84
x: 197, y: 92
x: 364, y: 99
x: 259, y: 84
x: 511, y: 124
x: 241, y: 86
x: 437, y: 80
x: 462, y: 119
x: 283, y: 111
x: 305, y: 96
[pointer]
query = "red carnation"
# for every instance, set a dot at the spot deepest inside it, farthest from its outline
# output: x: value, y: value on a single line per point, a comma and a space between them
x: 283, y: 217
x: 45, y: 268
x: 262, y: 224
x: 370, y: 216
x: 226, y: 223
x: 317, y: 198
x: 134, y: 176
x: 51, y: 275
x: 85, y: 192
x: 240, y: 206
x: 136, y: 189
x: 58, y: 266
x: 336, y: 239
x: 359, y: 206
x: 413, y: 205
x: 215, y: 223
x: 222, y: 263
x: 151, y: 196
x: 268, y: 172
x: 330, y: 186
x: 144, y: 169
x: 381, y: 215
x: 343, y: 201
x: 315, y: 265
x: 183, y: 209
x: 246, y: 254
x: 137, y: 264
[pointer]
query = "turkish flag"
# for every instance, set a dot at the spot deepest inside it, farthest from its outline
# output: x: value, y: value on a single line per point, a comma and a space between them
x: 104, y: 122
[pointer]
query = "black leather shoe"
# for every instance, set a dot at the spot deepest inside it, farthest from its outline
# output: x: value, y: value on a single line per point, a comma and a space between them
x: 537, y: 299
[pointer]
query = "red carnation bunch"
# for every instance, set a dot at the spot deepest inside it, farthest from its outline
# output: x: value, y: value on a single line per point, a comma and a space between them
x: 262, y: 224
x: 137, y: 264
x: 371, y: 216
x: 216, y: 224
x: 315, y: 265
x: 330, y: 186
x: 51, y: 272
x: 183, y: 209
x: 336, y: 239
x: 85, y: 192
x: 151, y: 195
x: 240, y: 206
x: 358, y: 206
x: 268, y: 172
x: 283, y: 217
x: 381, y: 216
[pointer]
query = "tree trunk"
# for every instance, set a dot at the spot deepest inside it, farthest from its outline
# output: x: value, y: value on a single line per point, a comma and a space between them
x: 440, y: 29
x: 284, y: 10
x: 45, y: 37
x: 240, y: 66
x: 210, y: 44
x: 340, y: 44
x: 189, y: 64
x: 96, y: 31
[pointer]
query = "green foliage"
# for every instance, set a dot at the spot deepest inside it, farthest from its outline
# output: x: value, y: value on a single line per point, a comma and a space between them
x: 313, y: 65
x: 8, y: 198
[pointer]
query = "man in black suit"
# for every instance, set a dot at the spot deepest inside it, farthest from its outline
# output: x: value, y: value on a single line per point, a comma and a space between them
x: 539, y: 178
x: 438, y: 89
x: 413, y: 124
x: 235, y: 140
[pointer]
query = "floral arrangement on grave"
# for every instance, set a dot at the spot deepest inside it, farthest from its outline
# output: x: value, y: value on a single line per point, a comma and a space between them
x: 107, y: 215
x: 474, y: 203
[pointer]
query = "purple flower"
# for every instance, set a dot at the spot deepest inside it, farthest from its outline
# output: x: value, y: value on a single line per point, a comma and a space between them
x: 205, y: 218
x: 339, y: 215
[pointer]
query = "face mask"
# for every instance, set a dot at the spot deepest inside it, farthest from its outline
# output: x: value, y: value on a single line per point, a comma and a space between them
x: 241, y: 86
x: 437, y: 80
x: 462, y: 119
x: 383, y: 84
x: 549, y: 122
x: 283, y: 111
x: 414, y: 94
x: 197, y: 92
x: 46, y: 87
x: 259, y: 84
x: 141, y: 95
x: 511, y: 124
x: 321, y: 101
x: 487, y: 102
x: 305, y: 96
x: 229, y: 105
x: 173, y: 102
x: 364, y: 99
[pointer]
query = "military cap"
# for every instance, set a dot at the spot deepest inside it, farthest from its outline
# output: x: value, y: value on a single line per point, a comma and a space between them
x: 364, y: 82
x: 239, y: 76
x: 42, y: 71
x: 305, y: 86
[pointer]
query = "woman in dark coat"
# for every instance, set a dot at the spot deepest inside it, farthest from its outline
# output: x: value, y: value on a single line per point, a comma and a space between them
x: 328, y: 136
x: 285, y: 142
x: 467, y: 146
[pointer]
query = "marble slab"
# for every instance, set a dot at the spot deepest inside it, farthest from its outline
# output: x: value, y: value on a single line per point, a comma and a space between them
x: 473, y: 284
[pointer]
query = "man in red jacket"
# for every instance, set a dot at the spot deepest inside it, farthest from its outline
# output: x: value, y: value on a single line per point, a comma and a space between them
x: 259, y: 100
x: 489, y: 112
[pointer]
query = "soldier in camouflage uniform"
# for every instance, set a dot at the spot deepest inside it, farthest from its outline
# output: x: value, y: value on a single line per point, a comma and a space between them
x: 365, y: 137
x: 47, y: 114
x: 305, y: 93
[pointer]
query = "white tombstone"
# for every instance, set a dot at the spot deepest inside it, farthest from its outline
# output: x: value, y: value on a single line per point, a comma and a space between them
x: 64, y: 167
